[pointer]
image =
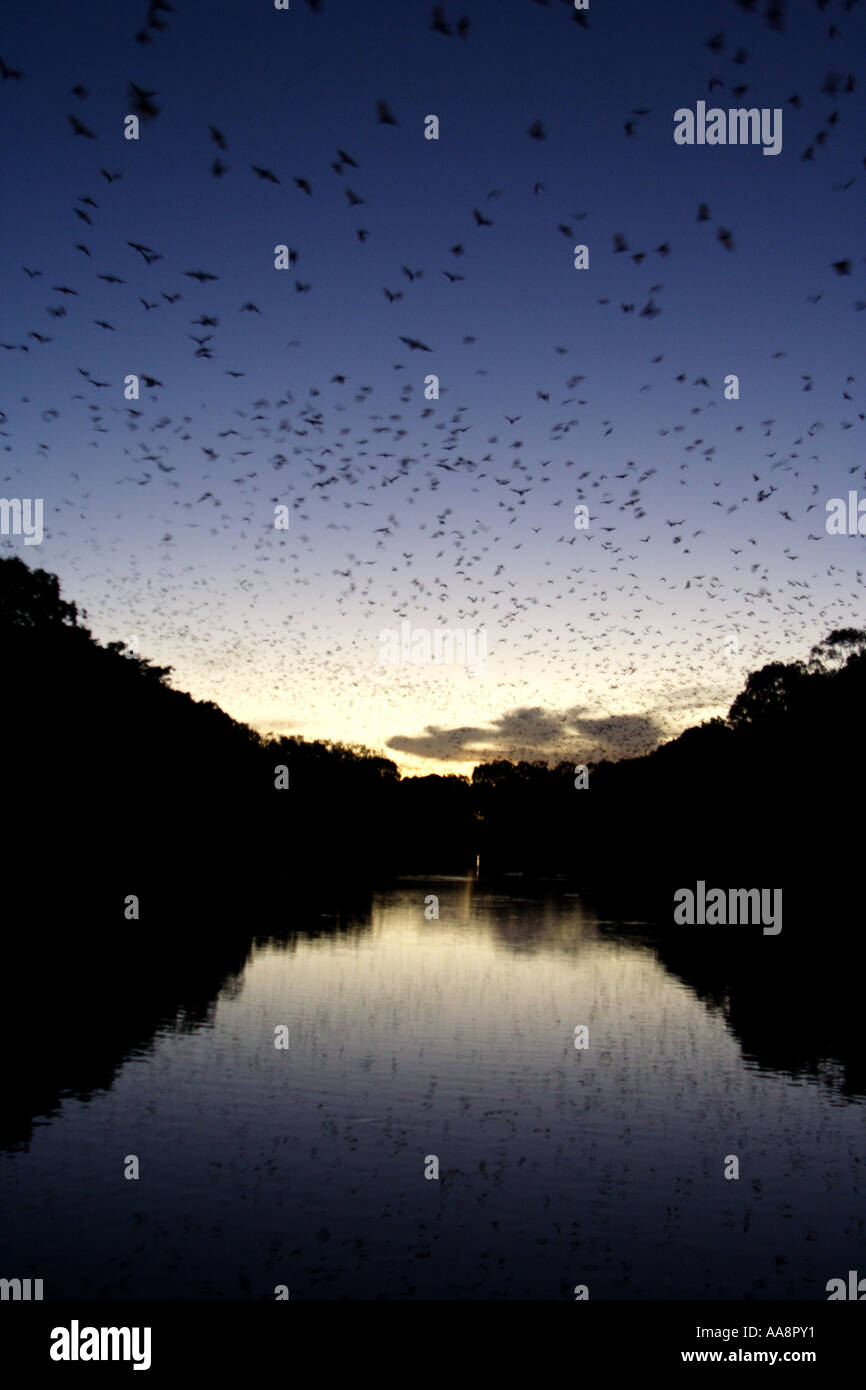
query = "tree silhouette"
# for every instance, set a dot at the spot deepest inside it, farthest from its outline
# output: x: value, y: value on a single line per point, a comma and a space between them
x: 108, y: 765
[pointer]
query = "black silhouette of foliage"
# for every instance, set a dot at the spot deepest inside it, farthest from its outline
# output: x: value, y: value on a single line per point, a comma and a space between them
x: 108, y: 764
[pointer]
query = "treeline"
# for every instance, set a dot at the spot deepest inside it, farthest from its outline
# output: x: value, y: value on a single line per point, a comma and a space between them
x: 768, y: 796
x: 112, y: 776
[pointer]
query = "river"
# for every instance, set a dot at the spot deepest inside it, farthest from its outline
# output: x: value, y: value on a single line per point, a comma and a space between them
x: 416, y: 1042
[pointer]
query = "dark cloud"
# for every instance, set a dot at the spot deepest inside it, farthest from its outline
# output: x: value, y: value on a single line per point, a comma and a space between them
x: 532, y: 733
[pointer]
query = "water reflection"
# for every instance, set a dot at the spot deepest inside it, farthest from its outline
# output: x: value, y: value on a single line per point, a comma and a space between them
x: 412, y: 1037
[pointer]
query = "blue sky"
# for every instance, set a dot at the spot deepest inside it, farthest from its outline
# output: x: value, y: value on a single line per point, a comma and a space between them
x: 440, y: 512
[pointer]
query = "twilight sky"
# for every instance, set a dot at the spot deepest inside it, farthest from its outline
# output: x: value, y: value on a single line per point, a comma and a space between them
x: 706, y: 552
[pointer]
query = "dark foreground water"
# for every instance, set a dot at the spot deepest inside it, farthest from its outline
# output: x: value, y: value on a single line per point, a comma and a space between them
x: 453, y: 1038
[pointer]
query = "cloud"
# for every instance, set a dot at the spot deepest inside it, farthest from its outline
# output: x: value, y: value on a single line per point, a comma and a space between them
x: 535, y: 734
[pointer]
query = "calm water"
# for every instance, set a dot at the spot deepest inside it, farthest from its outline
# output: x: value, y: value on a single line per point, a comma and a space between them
x: 452, y: 1038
